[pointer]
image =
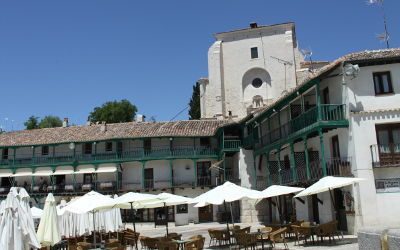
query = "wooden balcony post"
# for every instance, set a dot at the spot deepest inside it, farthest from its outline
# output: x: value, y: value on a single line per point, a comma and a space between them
x: 143, y: 180
x: 307, y: 158
x: 267, y: 169
x: 278, y: 153
x: 318, y: 100
x: 14, y: 155
x: 322, y: 147
x: 33, y: 155
x: 195, y: 171
x: 54, y: 153
x: 269, y: 130
x: 171, y: 174
x: 279, y: 124
x: 292, y: 162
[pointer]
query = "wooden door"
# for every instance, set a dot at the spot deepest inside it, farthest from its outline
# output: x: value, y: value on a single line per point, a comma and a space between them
x: 341, y: 209
x: 206, y: 213
x: 148, y: 178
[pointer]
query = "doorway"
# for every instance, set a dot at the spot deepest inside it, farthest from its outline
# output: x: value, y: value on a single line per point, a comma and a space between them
x: 339, y: 206
x: 148, y: 178
x: 314, y: 209
x: 206, y: 213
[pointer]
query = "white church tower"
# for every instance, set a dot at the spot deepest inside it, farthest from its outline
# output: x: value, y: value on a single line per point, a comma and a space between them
x: 249, y: 68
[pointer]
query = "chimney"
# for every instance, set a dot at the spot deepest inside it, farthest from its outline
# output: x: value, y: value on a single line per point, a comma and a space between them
x: 103, y: 127
x: 140, y: 118
x: 253, y: 25
x: 65, y: 122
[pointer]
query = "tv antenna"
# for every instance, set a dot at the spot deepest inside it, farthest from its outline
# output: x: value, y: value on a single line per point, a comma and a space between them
x: 285, y: 64
x: 383, y: 37
x: 308, y: 53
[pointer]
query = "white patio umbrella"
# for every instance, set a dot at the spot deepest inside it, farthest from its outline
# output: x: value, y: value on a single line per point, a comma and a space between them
x: 15, y: 231
x: 326, y: 184
x: 36, y: 212
x: 48, y: 231
x: 228, y: 192
x: 91, y: 202
x: 166, y: 200
x: 278, y: 190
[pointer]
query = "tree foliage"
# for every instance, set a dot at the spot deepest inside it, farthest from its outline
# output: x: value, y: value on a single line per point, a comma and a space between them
x: 194, y: 103
x: 32, y: 122
x: 50, y: 121
x: 114, y: 112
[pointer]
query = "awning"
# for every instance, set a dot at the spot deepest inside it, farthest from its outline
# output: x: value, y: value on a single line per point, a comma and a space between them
x: 106, y: 169
x: 64, y: 171
x: 43, y: 172
x: 5, y: 173
x: 85, y: 170
x: 327, y: 184
x: 23, y: 172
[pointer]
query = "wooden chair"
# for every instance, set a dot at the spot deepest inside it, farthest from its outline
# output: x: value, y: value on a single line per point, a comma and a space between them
x: 278, y: 236
x: 83, y: 246
x: 305, y: 224
x: 115, y: 245
x: 167, y: 245
x: 222, y: 237
x: 130, y: 238
x: 246, y: 240
x: 264, y: 234
x: 301, y: 233
x: 149, y: 243
x: 195, y: 243
x: 174, y: 236
x: 326, y: 230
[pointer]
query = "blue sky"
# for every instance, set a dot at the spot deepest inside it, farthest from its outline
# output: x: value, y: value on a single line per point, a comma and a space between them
x: 66, y: 57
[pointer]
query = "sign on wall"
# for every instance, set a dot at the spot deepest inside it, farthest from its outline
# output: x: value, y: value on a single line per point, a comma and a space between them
x: 387, y: 185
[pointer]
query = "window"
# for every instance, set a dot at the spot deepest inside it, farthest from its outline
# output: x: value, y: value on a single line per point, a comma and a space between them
x: 205, y: 142
x: 254, y: 52
x: 5, y: 154
x: 382, y: 83
x: 87, y: 178
x: 257, y: 82
x: 109, y: 146
x: 182, y: 209
x: 147, y: 144
x: 45, y: 150
x: 119, y: 147
x: 87, y: 148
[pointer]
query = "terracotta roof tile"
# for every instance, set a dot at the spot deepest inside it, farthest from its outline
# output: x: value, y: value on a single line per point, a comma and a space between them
x: 195, y: 128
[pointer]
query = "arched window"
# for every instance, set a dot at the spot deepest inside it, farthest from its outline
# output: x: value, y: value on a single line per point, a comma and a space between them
x: 257, y: 82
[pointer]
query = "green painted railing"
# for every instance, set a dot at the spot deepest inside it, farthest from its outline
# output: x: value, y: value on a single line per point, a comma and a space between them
x: 329, y: 112
x: 232, y: 144
x: 134, y: 155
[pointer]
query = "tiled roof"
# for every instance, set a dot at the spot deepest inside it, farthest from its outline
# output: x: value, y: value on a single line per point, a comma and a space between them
x: 363, y: 56
x: 195, y: 128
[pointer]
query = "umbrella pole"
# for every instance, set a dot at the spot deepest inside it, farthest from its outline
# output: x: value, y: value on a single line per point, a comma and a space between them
x: 134, y: 226
x: 230, y: 206
x: 166, y: 217
x: 279, y: 209
x: 94, y: 230
x: 227, y: 224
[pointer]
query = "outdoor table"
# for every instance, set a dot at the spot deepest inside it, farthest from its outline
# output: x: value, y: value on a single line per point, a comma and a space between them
x: 259, y: 233
x: 312, y: 231
x: 181, y: 243
x: 86, y: 187
x: 69, y: 188
x: 105, y: 185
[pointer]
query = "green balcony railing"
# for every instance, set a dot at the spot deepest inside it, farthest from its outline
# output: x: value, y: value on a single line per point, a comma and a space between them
x: 232, y: 145
x: 328, y: 112
x: 136, y: 154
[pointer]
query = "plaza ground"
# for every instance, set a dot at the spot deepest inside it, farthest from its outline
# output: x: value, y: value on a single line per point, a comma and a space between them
x: 147, y: 229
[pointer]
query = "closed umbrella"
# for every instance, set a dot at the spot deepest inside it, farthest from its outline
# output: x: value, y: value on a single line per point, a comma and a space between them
x: 228, y: 192
x: 48, y: 231
x: 15, y: 230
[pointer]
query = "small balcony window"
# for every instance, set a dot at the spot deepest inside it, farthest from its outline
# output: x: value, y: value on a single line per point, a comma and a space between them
x: 109, y: 146
x: 382, y: 83
x: 87, y: 148
x: 45, y: 150
x: 4, y: 155
x: 182, y: 209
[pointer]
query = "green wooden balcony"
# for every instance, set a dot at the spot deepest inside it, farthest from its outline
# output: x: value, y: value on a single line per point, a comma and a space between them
x: 232, y: 145
x: 331, y: 115
x: 133, y: 155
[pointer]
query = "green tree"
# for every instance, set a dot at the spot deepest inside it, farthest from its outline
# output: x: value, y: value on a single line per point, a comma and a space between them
x: 50, y: 121
x: 114, y: 112
x: 194, y: 103
x: 32, y: 122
